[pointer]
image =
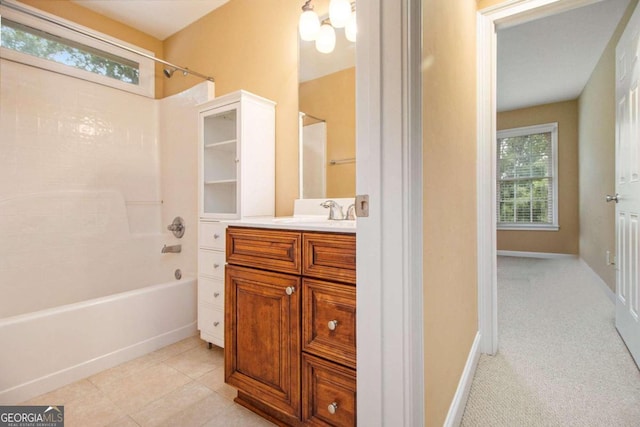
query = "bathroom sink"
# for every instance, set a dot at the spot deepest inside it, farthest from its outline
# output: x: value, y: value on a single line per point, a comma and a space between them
x: 315, y: 221
x: 300, y: 219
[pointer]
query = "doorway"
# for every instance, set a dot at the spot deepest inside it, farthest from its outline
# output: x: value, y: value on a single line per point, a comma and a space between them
x: 489, y: 20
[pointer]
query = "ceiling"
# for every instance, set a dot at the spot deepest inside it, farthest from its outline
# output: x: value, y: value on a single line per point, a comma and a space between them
x: 159, y: 18
x: 551, y: 59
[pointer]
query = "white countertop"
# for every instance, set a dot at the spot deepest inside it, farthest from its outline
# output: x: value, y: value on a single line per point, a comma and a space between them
x: 303, y: 222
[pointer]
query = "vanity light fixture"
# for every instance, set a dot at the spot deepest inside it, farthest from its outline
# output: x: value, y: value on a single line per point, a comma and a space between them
x: 309, y: 23
x: 326, y: 39
x: 342, y: 14
x: 339, y: 12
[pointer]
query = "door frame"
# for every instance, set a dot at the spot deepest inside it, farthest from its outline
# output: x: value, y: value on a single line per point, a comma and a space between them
x: 500, y: 16
x: 390, y: 323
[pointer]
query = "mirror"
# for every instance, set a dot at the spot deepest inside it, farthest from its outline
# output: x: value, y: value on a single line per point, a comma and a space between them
x: 326, y: 101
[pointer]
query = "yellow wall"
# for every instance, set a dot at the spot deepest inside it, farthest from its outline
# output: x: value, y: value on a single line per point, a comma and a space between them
x: 83, y: 16
x: 250, y: 45
x: 597, y: 114
x: 564, y: 241
x: 450, y: 259
x: 332, y: 98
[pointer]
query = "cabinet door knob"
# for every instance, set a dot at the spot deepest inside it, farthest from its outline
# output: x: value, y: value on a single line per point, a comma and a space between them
x: 216, y: 294
x: 216, y: 265
x: 332, y: 325
x: 332, y: 408
x: 216, y: 236
x: 290, y: 290
x: 216, y: 323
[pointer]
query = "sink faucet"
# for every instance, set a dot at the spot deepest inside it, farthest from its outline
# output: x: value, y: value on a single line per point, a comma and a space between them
x: 335, y: 210
x: 351, y: 212
x: 174, y: 249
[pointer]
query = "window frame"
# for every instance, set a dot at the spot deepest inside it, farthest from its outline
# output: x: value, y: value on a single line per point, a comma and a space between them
x: 146, y: 78
x: 522, y: 131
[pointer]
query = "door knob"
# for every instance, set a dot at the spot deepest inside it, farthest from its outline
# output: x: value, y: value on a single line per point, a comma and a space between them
x: 332, y: 325
x: 610, y: 198
x: 290, y: 290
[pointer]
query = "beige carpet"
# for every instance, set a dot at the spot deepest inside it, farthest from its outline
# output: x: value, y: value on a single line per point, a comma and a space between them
x: 560, y: 360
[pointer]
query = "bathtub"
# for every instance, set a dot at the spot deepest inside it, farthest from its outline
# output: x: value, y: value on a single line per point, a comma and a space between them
x: 49, y: 348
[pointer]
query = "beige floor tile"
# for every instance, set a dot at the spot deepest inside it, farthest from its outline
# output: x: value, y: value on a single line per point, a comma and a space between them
x: 213, y: 379
x: 195, y: 362
x: 200, y: 412
x: 181, y: 346
x: 238, y: 416
x: 123, y: 422
x: 63, y: 395
x: 93, y: 410
x: 134, y: 392
x: 226, y: 391
x: 123, y: 370
x: 160, y: 410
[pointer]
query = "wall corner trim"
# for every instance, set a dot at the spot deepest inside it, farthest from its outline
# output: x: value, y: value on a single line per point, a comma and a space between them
x: 601, y: 283
x: 459, y: 402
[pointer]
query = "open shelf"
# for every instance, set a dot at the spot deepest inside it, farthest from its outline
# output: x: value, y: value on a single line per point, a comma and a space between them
x: 220, y: 181
x: 228, y: 145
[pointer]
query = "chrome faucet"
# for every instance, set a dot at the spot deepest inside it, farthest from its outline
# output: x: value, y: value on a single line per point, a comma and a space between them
x: 351, y: 212
x: 335, y: 210
x: 174, y: 249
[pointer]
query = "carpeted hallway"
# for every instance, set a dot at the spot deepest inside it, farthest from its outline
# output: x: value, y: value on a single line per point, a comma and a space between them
x: 560, y: 360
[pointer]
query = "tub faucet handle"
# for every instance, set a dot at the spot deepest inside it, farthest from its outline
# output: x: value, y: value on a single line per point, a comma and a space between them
x: 177, y: 227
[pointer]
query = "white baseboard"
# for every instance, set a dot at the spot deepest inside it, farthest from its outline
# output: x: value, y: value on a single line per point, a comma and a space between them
x: 38, y: 386
x: 459, y: 402
x: 605, y: 288
x: 546, y: 255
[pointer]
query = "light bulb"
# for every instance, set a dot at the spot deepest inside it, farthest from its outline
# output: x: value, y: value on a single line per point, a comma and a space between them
x: 308, y: 25
x: 326, y: 40
x: 351, y: 30
x: 339, y: 12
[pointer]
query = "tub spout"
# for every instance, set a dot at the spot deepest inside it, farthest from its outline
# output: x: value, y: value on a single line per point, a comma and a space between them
x: 174, y: 249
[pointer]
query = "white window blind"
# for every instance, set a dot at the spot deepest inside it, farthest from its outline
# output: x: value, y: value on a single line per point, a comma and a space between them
x: 527, y: 177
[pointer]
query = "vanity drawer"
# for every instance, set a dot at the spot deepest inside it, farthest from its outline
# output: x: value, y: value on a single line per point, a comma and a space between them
x: 211, y: 263
x: 329, y: 321
x: 327, y: 388
x: 212, y: 235
x: 330, y: 256
x: 211, y: 320
x: 211, y: 291
x: 275, y: 250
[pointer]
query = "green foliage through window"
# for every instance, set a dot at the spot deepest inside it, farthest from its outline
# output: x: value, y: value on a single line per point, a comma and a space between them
x: 38, y: 43
x: 525, y: 178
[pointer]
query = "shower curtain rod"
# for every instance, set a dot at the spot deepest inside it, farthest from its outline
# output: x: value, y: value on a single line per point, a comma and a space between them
x: 37, y: 15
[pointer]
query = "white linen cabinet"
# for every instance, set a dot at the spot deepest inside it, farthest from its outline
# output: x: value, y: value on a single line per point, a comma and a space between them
x: 236, y: 179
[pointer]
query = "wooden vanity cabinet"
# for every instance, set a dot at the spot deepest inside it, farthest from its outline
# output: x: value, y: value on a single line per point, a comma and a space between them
x: 262, y: 340
x: 290, y: 331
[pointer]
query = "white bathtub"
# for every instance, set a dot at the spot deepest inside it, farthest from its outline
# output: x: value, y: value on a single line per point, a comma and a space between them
x: 46, y: 349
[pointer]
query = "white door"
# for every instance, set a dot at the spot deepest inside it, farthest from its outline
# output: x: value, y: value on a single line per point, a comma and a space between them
x: 628, y: 186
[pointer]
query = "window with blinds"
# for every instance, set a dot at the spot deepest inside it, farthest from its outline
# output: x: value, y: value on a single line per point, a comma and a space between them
x: 527, y: 177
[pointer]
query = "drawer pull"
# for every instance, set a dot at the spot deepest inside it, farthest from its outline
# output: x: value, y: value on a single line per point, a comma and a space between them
x: 332, y: 325
x: 216, y: 294
x: 216, y: 324
x: 216, y: 265
x: 290, y: 290
x: 216, y: 236
x: 332, y: 408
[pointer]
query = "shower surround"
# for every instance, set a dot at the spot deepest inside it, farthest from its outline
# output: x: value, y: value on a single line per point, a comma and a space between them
x: 89, y: 178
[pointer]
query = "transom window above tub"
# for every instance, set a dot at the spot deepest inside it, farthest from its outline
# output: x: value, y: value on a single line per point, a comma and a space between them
x: 527, y: 181
x: 47, y: 45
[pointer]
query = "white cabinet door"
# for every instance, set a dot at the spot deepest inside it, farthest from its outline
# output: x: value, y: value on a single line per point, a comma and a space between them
x: 628, y: 186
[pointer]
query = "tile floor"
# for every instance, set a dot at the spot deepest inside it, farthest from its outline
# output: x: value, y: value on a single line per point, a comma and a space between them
x: 178, y: 385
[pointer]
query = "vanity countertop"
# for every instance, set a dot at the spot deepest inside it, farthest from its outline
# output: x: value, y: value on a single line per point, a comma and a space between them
x: 304, y: 223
